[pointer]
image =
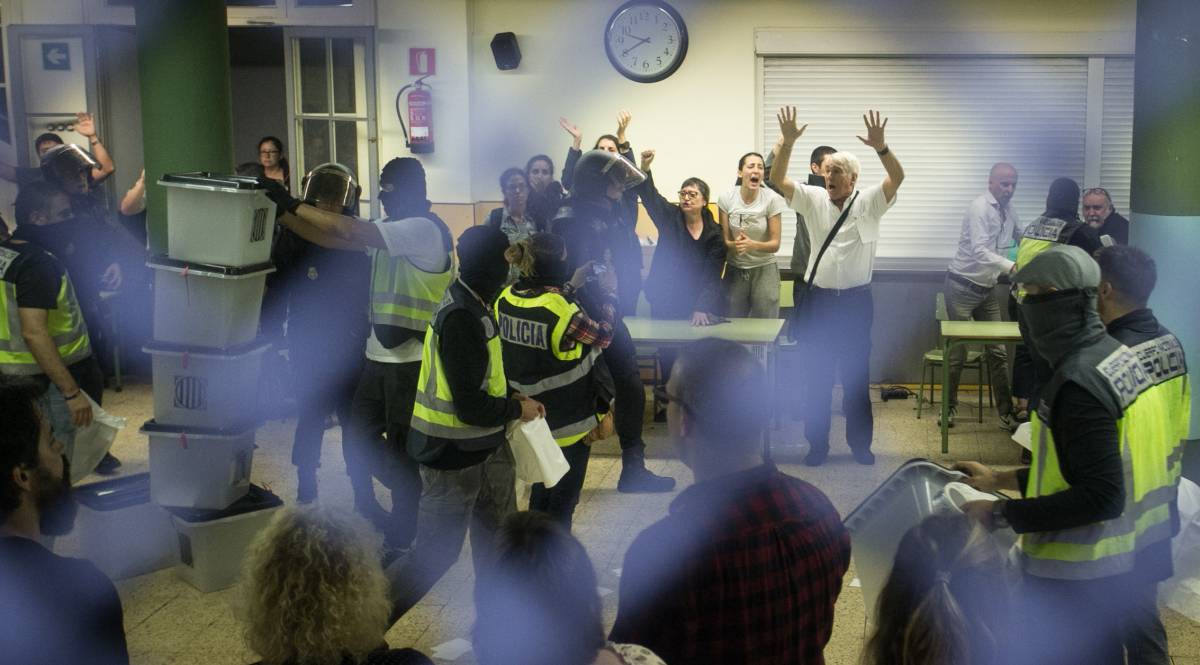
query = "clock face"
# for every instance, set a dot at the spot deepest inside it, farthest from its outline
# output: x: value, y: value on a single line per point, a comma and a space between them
x: 646, y: 40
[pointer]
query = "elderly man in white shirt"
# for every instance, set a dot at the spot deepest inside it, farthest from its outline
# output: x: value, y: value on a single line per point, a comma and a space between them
x: 990, y: 230
x: 838, y: 308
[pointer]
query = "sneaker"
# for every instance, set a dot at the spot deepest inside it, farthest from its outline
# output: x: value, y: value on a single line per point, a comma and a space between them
x: 636, y: 478
x: 108, y: 465
x: 1008, y: 422
x: 816, y: 456
x: 863, y: 456
x: 950, y: 420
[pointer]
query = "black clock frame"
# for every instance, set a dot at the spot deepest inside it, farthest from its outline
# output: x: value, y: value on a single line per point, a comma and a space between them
x: 683, y: 42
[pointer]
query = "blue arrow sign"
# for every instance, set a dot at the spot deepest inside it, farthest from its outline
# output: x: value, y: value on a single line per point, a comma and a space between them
x: 56, y: 55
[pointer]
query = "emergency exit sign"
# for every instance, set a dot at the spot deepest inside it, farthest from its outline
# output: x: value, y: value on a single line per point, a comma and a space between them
x: 422, y: 61
x: 56, y: 55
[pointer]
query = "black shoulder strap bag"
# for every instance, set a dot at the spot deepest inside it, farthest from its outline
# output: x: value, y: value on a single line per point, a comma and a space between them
x: 801, y: 296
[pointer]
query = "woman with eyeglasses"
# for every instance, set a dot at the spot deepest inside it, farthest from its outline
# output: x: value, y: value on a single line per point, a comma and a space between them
x: 272, y: 162
x: 685, y: 275
x: 751, y: 221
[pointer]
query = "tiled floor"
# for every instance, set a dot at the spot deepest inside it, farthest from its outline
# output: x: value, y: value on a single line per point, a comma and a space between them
x: 167, y: 621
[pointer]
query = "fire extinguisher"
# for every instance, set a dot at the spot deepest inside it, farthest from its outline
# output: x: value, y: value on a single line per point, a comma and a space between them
x: 418, y: 135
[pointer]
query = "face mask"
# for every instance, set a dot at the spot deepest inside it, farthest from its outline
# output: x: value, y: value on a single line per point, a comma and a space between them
x: 1060, y: 322
x: 55, y: 503
x: 57, y: 238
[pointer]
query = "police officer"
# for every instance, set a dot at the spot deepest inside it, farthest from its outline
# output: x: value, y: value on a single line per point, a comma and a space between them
x: 1096, y: 499
x: 1127, y: 277
x: 590, y: 225
x: 463, y: 404
x: 551, y: 345
x: 45, y: 334
x: 326, y: 292
x: 411, y: 265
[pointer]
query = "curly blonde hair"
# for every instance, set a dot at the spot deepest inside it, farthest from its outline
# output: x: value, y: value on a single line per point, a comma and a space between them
x: 313, y: 589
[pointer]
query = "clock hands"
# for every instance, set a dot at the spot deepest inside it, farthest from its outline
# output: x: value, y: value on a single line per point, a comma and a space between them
x: 641, y: 40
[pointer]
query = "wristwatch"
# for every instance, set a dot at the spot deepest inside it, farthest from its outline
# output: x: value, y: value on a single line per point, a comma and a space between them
x: 999, y: 521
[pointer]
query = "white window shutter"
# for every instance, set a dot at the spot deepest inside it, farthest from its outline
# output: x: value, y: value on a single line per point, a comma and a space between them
x: 1116, y: 131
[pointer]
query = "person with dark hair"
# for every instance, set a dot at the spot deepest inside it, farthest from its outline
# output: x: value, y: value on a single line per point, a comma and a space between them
x: 515, y: 218
x: 1095, y: 520
x: 536, y: 604
x: 85, y: 126
x: 751, y: 217
x: 624, y: 247
x: 51, y: 340
x: 990, y: 229
x: 1100, y: 214
x: 326, y: 304
x: 545, y: 193
x: 1058, y: 225
x: 948, y: 599
x: 748, y: 563
x: 271, y: 163
x: 685, y: 275
x: 1127, y: 278
x: 837, y: 311
x: 411, y: 265
x: 553, y: 327
x: 56, y: 609
x: 591, y: 226
x: 463, y: 404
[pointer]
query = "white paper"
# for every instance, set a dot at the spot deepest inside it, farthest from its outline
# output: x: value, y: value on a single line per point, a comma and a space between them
x: 536, y: 454
x: 93, y: 441
x: 856, y: 582
x: 452, y: 650
x: 1023, y: 436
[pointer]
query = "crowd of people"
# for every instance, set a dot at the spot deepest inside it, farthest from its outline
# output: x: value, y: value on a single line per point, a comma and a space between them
x: 428, y: 348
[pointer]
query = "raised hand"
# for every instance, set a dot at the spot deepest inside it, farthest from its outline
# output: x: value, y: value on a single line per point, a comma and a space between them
x: 623, y: 119
x: 647, y: 157
x: 874, y: 131
x: 85, y: 125
x: 576, y: 135
x: 787, y: 124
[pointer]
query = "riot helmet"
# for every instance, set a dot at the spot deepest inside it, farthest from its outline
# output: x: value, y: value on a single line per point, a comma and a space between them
x: 69, y: 167
x: 597, y: 168
x: 331, y: 184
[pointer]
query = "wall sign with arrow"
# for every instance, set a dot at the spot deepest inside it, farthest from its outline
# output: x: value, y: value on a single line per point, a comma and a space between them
x: 56, y: 56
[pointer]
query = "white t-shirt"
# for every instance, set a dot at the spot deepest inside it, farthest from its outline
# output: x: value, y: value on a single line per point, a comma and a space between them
x: 850, y: 259
x: 420, y: 241
x: 751, y: 218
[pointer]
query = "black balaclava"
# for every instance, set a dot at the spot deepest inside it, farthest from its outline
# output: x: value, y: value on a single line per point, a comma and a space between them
x: 1063, y: 200
x: 481, y: 262
x: 402, y: 188
x: 1062, y: 322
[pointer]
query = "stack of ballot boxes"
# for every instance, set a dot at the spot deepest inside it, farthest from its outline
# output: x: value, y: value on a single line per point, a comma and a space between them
x: 206, y: 359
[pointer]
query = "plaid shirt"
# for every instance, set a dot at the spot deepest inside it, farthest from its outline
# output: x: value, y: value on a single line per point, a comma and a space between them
x: 582, y: 329
x: 744, y: 569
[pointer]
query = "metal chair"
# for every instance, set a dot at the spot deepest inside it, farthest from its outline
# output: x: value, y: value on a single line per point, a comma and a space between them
x: 934, y: 358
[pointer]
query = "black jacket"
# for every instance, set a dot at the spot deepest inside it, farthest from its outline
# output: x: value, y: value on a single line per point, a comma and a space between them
x: 685, y: 275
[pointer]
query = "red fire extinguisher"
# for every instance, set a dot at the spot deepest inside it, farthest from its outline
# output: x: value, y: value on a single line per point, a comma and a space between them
x: 418, y: 135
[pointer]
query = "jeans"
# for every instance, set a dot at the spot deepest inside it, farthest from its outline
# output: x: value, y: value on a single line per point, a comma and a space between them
x: 964, y: 303
x: 630, y: 402
x: 380, y: 417
x: 753, y: 292
x: 478, y: 497
x: 559, y: 501
x: 837, y: 331
x: 1072, y: 621
x: 1141, y: 627
x: 90, y: 379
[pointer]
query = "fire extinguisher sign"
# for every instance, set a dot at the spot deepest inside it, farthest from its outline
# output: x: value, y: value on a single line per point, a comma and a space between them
x: 422, y: 61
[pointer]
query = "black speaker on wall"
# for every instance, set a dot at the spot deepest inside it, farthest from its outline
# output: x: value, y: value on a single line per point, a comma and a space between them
x: 506, y: 50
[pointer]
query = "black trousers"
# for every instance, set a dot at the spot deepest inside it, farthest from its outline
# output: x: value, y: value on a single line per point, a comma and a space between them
x: 380, y: 416
x: 326, y: 376
x: 630, y: 406
x: 836, y: 331
x: 1073, y: 621
x: 559, y: 501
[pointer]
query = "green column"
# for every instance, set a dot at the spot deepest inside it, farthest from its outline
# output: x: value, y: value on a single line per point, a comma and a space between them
x: 1165, y: 196
x: 183, y: 64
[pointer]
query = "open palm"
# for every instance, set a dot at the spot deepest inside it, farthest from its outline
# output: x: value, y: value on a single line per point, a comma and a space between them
x: 874, y: 130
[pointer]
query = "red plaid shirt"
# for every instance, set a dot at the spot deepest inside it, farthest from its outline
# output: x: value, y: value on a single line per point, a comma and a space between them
x: 744, y: 569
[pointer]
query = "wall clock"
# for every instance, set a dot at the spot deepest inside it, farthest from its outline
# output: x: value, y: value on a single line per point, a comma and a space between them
x: 646, y: 40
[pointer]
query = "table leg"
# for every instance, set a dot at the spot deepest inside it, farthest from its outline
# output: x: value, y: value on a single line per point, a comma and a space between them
x: 943, y: 423
x: 769, y: 349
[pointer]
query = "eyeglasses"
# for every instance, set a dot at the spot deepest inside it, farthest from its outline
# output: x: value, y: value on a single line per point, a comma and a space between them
x: 1097, y: 190
x: 687, y: 195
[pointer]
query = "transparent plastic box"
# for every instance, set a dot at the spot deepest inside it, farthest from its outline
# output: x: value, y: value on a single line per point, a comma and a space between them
x: 199, y: 468
x: 220, y: 219
x: 212, y: 543
x: 211, y: 388
x: 205, y: 305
